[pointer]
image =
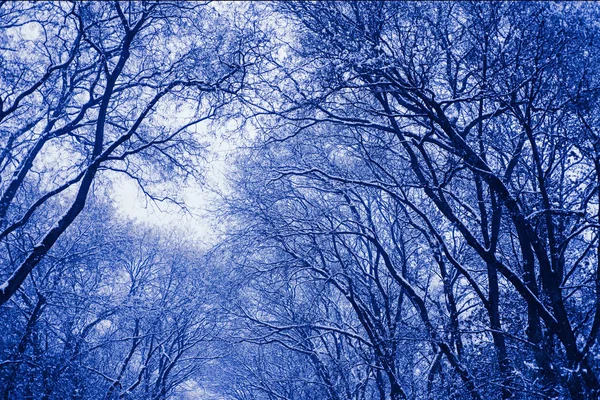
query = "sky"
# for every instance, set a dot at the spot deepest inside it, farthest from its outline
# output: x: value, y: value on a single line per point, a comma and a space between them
x: 200, y: 199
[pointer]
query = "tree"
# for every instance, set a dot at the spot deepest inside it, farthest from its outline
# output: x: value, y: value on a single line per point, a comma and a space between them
x: 101, y: 87
x: 472, y: 124
x: 416, y: 215
x: 116, y: 313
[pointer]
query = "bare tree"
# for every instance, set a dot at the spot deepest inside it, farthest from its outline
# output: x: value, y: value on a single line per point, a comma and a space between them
x: 473, y: 123
x: 101, y: 86
x: 118, y: 312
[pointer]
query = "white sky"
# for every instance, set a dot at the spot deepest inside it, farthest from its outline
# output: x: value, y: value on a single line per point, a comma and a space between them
x: 199, y: 199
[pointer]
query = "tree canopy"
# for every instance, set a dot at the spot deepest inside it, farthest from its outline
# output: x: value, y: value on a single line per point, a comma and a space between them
x: 411, y: 209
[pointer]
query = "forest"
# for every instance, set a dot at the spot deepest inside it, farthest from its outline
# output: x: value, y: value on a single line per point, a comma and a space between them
x: 399, y: 200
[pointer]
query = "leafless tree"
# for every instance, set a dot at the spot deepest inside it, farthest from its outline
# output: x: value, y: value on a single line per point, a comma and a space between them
x: 100, y: 86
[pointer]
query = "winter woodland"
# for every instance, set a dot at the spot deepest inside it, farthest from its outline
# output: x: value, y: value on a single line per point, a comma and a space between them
x: 401, y: 200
